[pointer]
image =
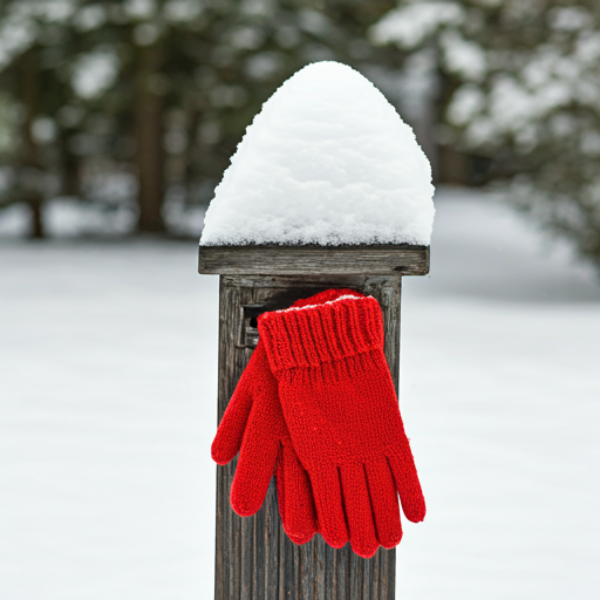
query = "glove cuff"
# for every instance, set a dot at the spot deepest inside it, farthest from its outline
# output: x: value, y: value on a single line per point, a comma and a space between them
x: 326, y: 296
x: 303, y: 337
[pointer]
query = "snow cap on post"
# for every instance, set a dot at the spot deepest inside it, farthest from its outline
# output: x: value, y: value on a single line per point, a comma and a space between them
x: 327, y: 161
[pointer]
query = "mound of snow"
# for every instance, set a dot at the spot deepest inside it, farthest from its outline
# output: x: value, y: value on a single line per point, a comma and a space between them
x: 328, y: 161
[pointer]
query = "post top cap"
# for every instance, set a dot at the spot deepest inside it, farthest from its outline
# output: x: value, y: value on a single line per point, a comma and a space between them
x: 305, y: 260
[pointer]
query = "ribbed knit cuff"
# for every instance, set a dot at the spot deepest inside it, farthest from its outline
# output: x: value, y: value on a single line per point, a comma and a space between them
x: 326, y: 296
x: 313, y: 335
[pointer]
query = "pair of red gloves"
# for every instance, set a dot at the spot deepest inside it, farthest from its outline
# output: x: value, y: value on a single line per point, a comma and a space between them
x: 316, y: 405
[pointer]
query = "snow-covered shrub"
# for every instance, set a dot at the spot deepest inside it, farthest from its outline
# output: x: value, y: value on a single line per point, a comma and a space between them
x: 522, y: 87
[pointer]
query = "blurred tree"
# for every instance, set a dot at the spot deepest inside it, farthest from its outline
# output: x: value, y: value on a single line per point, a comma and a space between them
x: 519, y: 83
x: 33, y: 89
x: 148, y: 98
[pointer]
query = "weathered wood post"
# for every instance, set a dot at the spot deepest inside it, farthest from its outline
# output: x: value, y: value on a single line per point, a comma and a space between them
x: 254, y: 558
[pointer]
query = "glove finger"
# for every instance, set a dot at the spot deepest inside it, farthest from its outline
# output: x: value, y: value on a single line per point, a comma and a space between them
x: 359, y: 513
x: 230, y: 433
x: 255, y: 468
x: 299, y: 516
x: 327, y: 493
x: 407, y: 484
x: 384, y: 499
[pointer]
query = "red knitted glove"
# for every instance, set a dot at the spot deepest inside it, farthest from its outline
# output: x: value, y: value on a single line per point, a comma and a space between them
x: 340, y: 407
x: 253, y: 424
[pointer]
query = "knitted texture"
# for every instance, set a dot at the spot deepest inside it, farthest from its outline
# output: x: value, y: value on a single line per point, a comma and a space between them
x: 341, y: 410
x: 253, y: 425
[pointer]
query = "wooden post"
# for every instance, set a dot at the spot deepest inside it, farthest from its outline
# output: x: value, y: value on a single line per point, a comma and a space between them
x: 254, y: 558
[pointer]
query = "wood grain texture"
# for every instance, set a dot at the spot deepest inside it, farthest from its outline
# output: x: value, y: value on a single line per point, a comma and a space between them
x: 308, y: 260
x: 254, y: 558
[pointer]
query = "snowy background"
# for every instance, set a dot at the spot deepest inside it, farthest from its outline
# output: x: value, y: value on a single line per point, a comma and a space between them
x: 108, y: 407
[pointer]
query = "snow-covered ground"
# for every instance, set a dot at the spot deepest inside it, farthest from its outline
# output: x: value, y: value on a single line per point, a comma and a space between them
x: 107, y: 411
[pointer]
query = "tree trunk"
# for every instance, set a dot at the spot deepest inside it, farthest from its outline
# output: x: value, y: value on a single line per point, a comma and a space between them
x: 190, y: 168
x: 69, y: 165
x: 149, y: 109
x: 30, y: 163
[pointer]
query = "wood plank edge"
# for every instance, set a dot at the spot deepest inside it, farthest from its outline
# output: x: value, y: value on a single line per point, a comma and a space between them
x: 236, y: 260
